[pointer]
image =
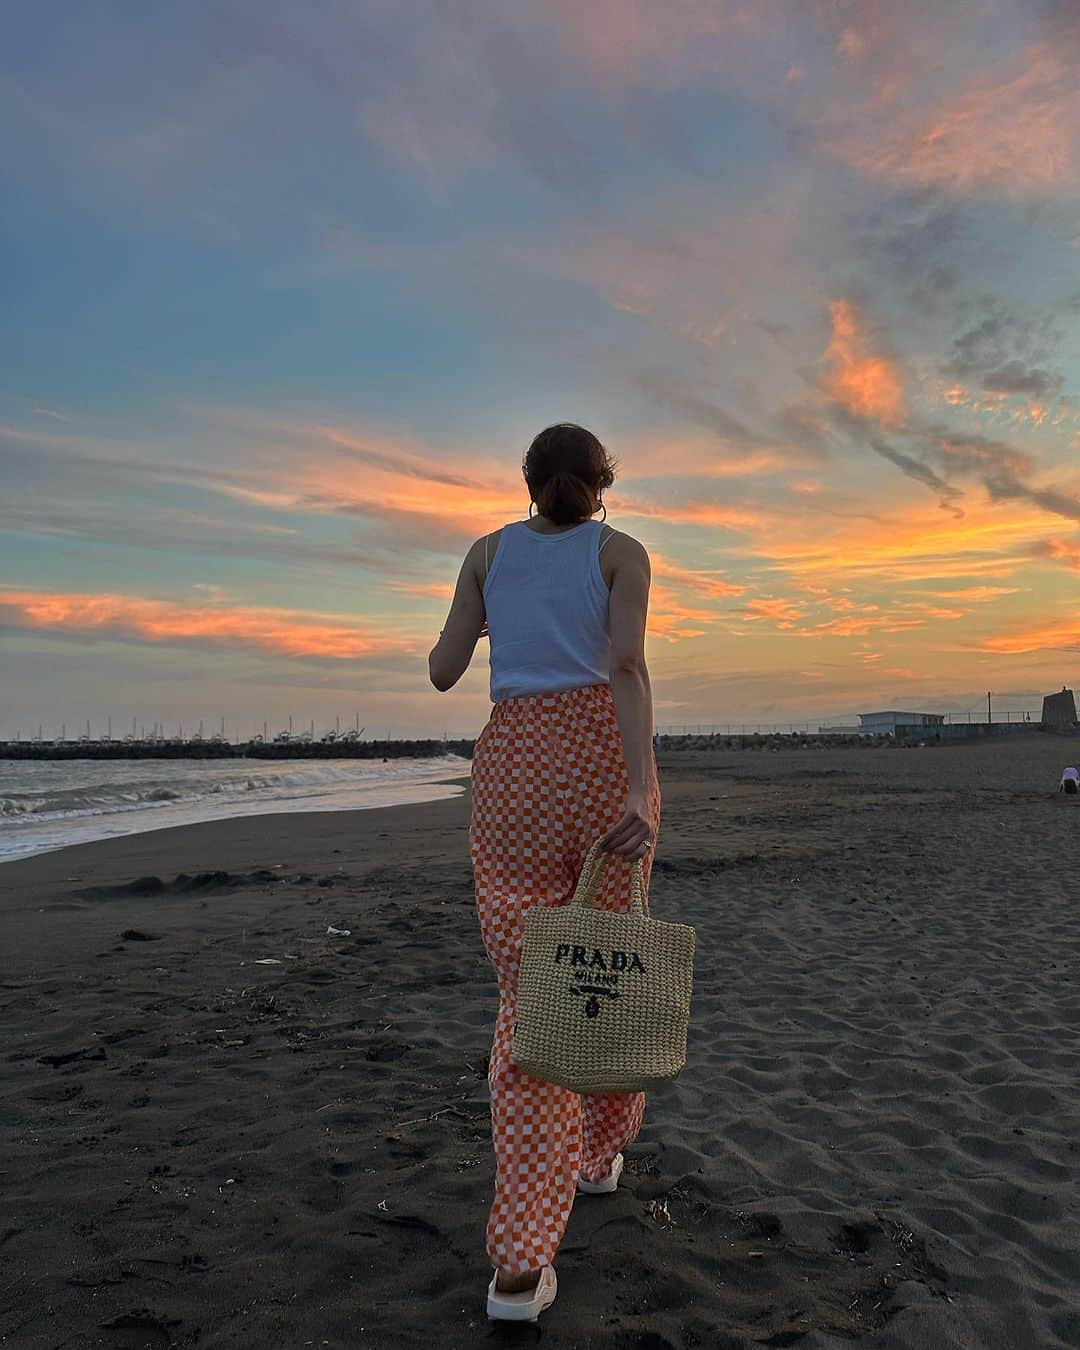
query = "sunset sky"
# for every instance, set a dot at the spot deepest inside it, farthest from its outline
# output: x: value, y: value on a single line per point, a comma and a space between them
x: 287, y: 290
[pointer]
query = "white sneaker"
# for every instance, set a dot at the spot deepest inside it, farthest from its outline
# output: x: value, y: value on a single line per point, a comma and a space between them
x: 609, y: 1183
x: 526, y: 1306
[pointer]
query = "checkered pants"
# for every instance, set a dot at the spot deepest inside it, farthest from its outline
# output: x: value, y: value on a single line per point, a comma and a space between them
x: 548, y: 777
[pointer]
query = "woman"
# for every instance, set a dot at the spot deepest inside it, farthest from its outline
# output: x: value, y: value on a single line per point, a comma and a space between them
x: 566, y: 756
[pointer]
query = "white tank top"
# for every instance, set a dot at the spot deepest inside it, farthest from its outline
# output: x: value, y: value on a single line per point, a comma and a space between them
x: 547, y: 611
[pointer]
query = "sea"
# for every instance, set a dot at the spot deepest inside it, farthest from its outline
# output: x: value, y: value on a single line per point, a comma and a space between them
x: 48, y: 804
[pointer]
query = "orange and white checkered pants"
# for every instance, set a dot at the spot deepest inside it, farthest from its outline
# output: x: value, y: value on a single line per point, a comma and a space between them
x: 548, y: 777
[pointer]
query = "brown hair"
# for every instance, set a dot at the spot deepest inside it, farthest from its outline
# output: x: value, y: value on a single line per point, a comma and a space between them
x: 567, y: 469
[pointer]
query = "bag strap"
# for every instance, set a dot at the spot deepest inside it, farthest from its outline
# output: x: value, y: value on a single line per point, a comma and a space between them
x: 592, y: 874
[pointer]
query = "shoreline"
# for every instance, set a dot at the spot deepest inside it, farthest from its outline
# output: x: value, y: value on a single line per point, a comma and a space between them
x: 102, y: 855
x: 83, y: 814
x: 426, y: 748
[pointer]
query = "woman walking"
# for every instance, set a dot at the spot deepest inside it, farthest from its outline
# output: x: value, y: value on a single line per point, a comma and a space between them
x: 565, y: 757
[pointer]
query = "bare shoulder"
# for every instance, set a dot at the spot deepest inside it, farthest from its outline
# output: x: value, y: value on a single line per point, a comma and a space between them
x: 482, y: 553
x: 620, y: 551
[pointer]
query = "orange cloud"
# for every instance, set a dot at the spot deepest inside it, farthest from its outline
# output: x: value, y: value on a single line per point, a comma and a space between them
x: 1063, y: 635
x: 671, y: 619
x: 867, y: 385
x: 775, y: 608
x: 975, y: 593
x: 277, y: 632
x: 858, y: 626
x: 705, y: 583
x: 740, y: 518
x: 992, y: 541
x: 430, y: 590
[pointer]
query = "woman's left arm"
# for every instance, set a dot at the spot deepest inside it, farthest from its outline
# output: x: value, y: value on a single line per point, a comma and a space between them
x: 449, y: 659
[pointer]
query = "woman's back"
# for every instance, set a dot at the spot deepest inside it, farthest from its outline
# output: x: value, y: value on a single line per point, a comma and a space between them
x: 546, y: 602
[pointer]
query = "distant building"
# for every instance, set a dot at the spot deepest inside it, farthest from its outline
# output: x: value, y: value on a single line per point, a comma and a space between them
x: 1059, y: 710
x: 888, y: 723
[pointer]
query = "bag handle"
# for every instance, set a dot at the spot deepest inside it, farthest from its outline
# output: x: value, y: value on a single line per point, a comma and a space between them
x: 592, y: 874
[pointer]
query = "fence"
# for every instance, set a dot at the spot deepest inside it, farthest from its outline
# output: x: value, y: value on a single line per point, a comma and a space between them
x: 838, y: 725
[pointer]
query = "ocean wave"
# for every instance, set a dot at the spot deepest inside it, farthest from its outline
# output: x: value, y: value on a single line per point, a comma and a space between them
x: 76, y: 799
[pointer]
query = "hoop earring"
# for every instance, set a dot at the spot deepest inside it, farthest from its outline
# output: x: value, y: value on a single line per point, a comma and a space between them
x: 604, y: 509
x: 531, y: 505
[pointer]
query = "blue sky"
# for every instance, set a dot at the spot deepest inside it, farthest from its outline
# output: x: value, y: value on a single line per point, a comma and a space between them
x: 287, y: 295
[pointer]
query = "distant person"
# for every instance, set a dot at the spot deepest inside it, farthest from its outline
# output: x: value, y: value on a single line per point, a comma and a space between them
x: 566, y: 756
x: 1070, y: 781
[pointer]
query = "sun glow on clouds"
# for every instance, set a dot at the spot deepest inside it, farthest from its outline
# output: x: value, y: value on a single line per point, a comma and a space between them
x: 1061, y: 635
x: 862, y: 382
x: 276, y: 632
x: 808, y: 269
x: 1059, y: 550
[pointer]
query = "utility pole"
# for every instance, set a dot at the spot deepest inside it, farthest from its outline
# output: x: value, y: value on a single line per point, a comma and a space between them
x: 989, y: 714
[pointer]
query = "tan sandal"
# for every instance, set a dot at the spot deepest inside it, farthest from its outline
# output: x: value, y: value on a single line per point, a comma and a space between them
x: 526, y: 1306
x: 609, y: 1183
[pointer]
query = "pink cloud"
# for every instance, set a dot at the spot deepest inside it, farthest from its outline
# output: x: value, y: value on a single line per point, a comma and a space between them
x: 1012, y: 129
x: 658, y: 44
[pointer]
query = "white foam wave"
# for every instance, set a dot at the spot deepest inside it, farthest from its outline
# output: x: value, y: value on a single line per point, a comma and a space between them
x: 49, y: 804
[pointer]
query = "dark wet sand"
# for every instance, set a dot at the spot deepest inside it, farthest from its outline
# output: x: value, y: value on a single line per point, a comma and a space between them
x: 877, y: 1137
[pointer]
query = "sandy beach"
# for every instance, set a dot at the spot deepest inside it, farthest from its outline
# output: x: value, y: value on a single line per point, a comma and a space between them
x: 226, y: 1127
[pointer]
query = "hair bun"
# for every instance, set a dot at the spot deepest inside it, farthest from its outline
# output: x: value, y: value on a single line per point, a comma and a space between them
x: 567, y: 469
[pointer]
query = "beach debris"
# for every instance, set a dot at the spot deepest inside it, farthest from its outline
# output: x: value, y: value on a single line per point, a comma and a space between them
x: 338, y: 932
x: 137, y: 935
x: 658, y: 1210
x: 267, y: 961
x: 382, y: 1206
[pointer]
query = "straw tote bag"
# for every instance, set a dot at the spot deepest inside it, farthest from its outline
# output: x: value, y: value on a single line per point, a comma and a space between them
x: 603, y: 999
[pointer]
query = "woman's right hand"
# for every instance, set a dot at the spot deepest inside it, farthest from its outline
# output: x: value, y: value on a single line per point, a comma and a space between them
x: 633, y: 835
